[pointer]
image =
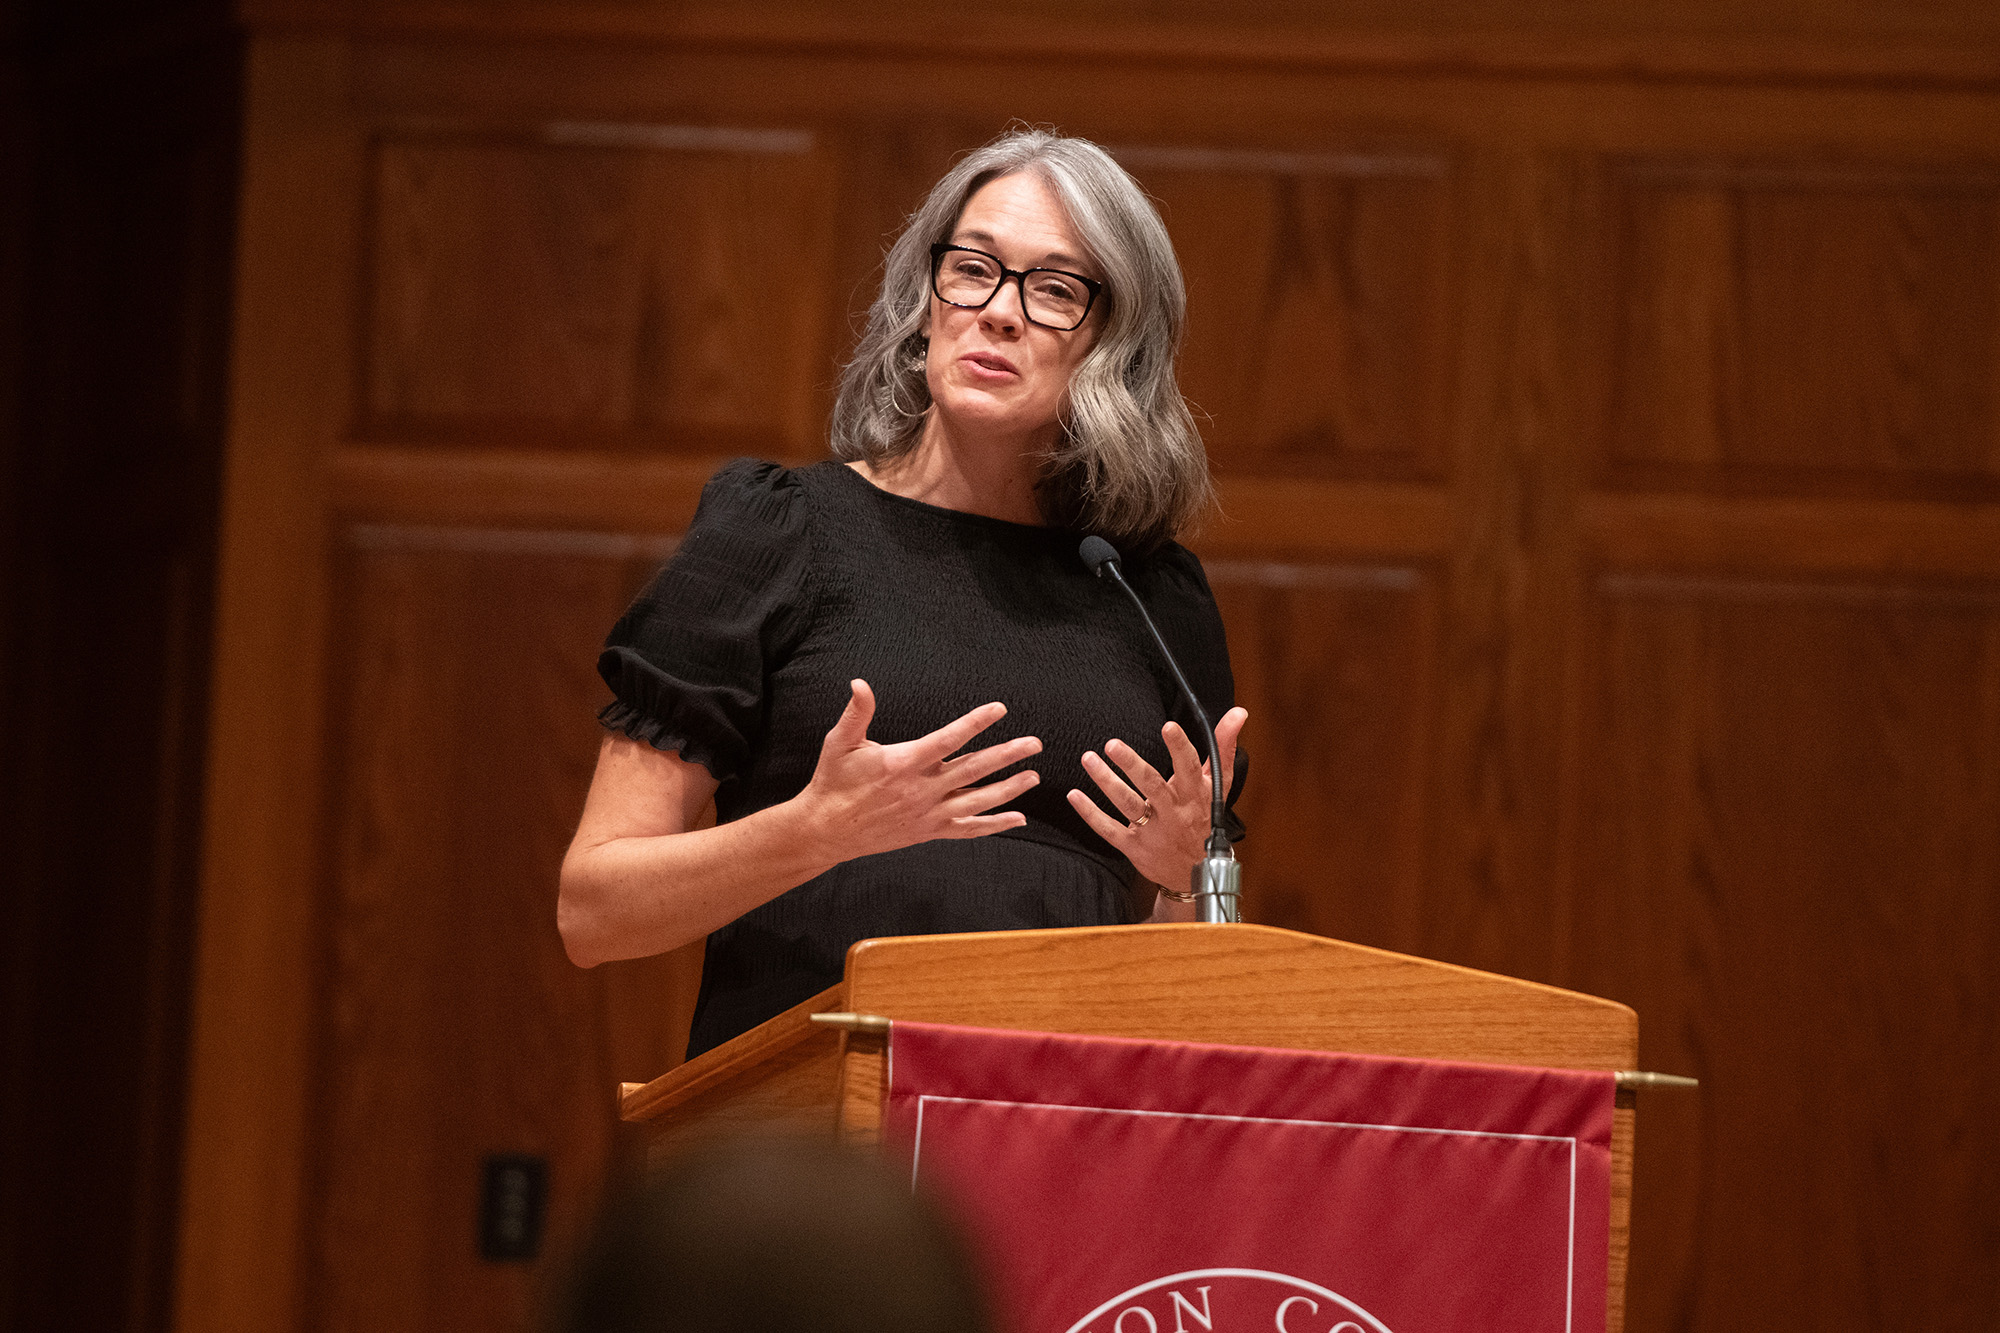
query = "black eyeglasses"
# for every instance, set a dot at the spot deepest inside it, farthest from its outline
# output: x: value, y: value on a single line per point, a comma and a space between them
x: 969, y: 278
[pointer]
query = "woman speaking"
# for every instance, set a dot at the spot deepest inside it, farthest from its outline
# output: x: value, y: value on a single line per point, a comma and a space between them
x: 891, y: 671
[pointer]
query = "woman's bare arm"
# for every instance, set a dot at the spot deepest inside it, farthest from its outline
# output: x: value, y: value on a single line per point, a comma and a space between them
x: 640, y: 880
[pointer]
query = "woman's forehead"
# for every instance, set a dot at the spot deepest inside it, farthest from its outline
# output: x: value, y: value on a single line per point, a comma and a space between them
x: 1019, y: 218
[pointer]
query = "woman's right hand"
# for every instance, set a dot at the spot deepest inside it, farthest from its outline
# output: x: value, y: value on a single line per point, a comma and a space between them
x: 640, y: 878
x: 866, y: 798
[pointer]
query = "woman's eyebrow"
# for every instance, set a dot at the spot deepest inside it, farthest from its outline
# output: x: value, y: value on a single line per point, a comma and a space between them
x: 986, y: 238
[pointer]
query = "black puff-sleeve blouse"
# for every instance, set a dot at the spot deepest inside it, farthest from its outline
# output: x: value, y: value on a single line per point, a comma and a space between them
x: 792, y: 582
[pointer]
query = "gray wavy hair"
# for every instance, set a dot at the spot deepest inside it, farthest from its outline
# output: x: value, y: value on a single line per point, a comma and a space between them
x: 1129, y: 463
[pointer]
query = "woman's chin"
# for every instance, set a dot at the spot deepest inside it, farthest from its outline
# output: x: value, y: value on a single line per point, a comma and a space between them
x: 983, y: 414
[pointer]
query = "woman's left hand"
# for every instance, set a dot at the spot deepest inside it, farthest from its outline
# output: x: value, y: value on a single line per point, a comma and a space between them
x: 1165, y: 828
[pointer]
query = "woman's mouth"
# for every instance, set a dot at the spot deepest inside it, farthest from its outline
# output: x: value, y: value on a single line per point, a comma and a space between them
x: 989, y: 363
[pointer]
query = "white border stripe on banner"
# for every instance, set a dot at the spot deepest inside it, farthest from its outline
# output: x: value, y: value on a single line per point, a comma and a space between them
x: 1569, y: 1302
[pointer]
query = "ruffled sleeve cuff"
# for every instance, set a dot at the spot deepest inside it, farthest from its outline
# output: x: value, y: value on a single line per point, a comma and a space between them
x: 652, y: 708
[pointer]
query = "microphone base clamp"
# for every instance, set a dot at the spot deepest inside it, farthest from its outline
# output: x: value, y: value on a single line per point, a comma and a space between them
x: 1217, y: 882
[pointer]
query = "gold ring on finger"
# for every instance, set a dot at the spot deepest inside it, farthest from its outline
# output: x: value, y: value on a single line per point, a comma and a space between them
x: 1146, y: 814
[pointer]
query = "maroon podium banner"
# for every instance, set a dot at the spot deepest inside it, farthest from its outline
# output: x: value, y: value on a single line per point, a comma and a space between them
x: 1123, y: 1186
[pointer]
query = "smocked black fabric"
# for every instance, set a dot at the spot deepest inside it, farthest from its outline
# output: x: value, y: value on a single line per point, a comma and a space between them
x: 790, y: 583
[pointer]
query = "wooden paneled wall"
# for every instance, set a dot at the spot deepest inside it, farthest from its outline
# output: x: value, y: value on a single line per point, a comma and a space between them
x: 1608, y: 426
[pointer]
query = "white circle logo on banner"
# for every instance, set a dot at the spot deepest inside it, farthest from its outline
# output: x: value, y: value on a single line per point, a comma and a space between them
x: 1186, y: 1303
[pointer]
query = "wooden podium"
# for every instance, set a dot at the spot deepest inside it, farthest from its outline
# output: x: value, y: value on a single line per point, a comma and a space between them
x: 1239, y: 985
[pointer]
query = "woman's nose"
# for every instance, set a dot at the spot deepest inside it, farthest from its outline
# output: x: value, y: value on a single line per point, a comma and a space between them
x: 1004, y: 309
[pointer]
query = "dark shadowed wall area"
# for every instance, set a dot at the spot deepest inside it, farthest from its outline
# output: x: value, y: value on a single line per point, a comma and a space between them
x: 117, y: 211
x: 1605, y: 401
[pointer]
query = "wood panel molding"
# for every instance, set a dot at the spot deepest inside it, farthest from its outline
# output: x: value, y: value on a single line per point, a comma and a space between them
x: 503, y: 488
x: 1459, y: 41
x: 244, y: 1210
x: 625, y: 492
x: 1266, y: 517
x: 1786, y: 534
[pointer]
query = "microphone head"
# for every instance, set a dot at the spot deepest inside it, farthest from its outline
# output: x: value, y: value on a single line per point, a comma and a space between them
x: 1097, y: 553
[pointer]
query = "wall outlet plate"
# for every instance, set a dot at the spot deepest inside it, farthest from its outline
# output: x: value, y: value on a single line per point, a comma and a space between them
x: 513, y: 1198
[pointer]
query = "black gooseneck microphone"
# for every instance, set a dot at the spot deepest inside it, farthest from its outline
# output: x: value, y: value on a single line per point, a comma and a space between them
x: 1216, y: 880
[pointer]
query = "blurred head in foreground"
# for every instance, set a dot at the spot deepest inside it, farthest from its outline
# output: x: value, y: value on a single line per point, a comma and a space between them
x: 773, y: 1235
